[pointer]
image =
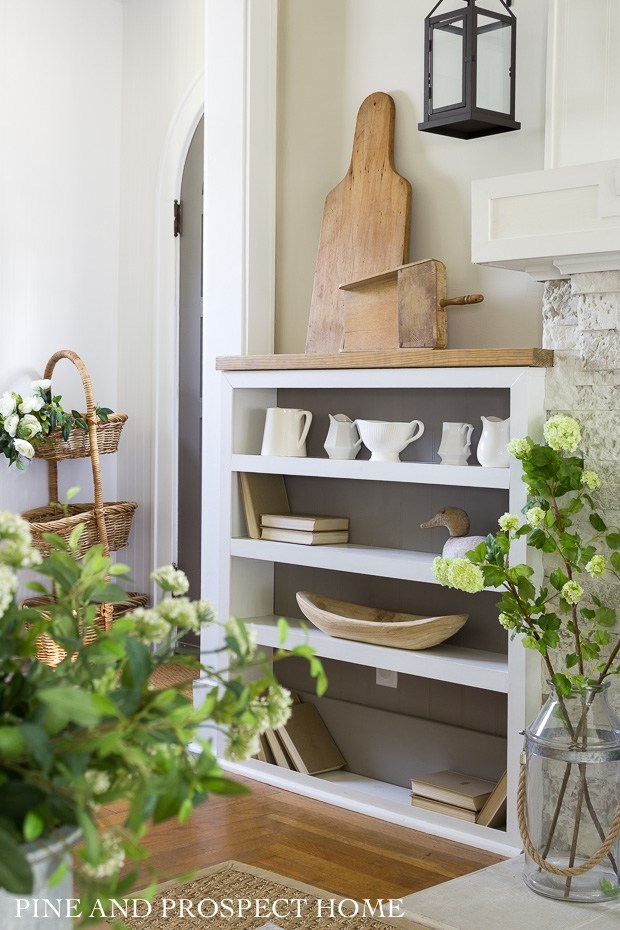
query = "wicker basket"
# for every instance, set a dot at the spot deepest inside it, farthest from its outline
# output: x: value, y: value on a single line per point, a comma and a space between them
x: 134, y: 599
x: 48, y: 650
x: 117, y: 516
x: 54, y: 448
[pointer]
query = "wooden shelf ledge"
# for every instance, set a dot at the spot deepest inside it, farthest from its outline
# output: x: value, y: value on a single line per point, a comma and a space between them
x: 398, y: 358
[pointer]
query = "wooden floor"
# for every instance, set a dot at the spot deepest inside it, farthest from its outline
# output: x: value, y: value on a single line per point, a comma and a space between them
x: 339, y: 851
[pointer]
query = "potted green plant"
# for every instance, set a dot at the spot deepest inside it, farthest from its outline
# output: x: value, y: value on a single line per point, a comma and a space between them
x: 569, y: 617
x: 93, y: 731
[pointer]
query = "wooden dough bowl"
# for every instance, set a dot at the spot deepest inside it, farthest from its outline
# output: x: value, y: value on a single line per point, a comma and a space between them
x: 380, y: 627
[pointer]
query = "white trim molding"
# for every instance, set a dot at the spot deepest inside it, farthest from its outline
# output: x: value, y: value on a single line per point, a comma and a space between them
x: 549, y: 223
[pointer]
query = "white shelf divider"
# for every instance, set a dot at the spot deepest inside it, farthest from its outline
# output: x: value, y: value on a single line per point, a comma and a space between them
x: 466, y: 476
x: 471, y: 667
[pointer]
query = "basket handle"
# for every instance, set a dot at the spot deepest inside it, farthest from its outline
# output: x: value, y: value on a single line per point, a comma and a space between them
x: 91, y: 419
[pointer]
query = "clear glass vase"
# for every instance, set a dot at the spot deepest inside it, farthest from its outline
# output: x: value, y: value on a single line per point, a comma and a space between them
x: 573, y: 792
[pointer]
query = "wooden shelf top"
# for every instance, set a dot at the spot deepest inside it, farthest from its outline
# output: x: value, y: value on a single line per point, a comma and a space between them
x: 398, y: 358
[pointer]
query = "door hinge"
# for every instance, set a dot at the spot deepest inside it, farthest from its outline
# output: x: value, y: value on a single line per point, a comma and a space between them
x: 178, y: 218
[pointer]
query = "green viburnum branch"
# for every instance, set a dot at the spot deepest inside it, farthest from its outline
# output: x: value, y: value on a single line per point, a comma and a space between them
x: 567, y: 608
x: 94, y: 731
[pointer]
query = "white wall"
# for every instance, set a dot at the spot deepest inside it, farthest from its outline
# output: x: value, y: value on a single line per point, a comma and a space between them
x: 583, y: 101
x: 333, y: 53
x: 60, y: 87
x: 163, y: 58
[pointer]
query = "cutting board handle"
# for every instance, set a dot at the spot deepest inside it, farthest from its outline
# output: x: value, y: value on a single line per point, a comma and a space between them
x: 373, y: 142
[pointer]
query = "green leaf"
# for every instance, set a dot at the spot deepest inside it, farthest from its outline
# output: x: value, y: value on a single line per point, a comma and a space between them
x: 558, y: 579
x: 562, y: 684
x: 73, y: 705
x: 615, y: 560
x: 38, y: 743
x: 605, y: 616
x: 71, y: 493
x: 598, y: 523
x: 59, y: 874
x: 571, y: 660
x: 15, y: 872
x: 283, y: 631
x: 139, y: 664
x: 33, y: 826
x: 609, y: 888
x: 75, y: 536
x: 613, y: 540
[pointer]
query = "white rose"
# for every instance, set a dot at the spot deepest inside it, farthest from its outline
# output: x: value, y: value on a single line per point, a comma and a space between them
x: 27, y: 405
x: 24, y: 448
x: 43, y: 385
x: 7, y: 405
x: 28, y: 427
x: 11, y: 423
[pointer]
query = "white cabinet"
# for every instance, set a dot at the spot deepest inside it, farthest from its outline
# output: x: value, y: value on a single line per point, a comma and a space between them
x: 385, y: 502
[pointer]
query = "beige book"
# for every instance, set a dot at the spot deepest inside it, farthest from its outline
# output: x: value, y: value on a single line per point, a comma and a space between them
x: 493, y: 811
x: 265, y: 754
x: 327, y: 538
x: 464, y: 791
x: 280, y: 756
x: 303, y: 521
x: 262, y: 494
x: 450, y: 809
x: 309, y: 743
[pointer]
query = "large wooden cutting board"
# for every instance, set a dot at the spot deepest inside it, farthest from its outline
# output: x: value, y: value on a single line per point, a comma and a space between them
x: 365, y: 226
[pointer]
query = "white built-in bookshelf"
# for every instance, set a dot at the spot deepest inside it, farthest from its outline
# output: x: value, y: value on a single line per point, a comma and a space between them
x: 256, y: 574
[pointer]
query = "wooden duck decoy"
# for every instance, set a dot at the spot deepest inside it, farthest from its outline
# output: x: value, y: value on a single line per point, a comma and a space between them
x: 457, y: 523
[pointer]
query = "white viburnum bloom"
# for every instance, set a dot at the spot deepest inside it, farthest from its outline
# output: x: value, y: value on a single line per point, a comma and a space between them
x: 98, y: 782
x: 148, y: 626
x: 8, y: 405
x: 242, y: 743
x: 572, y: 592
x: 509, y: 623
x: 44, y: 384
x: 520, y: 448
x: 8, y: 587
x: 11, y: 423
x: 596, y: 566
x: 16, y: 542
x: 440, y: 569
x: 244, y: 636
x: 113, y: 862
x: 279, y: 703
x: 509, y: 521
x: 591, y: 480
x: 535, y: 516
x: 179, y: 611
x: 171, y: 579
x: 465, y: 576
x: 205, y: 612
x: 562, y: 433
x: 29, y: 427
x: 24, y: 448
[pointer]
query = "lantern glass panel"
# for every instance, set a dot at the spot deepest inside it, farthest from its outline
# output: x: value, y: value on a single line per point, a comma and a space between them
x: 447, y: 64
x: 493, y: 64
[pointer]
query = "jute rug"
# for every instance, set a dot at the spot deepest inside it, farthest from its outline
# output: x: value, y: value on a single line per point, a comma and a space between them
x: 234, y: 895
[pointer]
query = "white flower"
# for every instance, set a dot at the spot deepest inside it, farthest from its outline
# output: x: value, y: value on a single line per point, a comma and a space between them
x: 28, y: 427
x: 535, y: 516
x: 244, y: 636
x: 8, y: 586
x: 596, y: 566
x: 520, y: 447
x: 16, y: 542
x: 562, y: 433
x: 509, y: 521
x: 171, y: 579
x: 179, y: 611
x: 591, y: 480
x: 43, y: 385
x: 440, y: 569
x: 509, y: 623
x: 242, y: 743
x: 11, y: 423
x: 24, y: 448
x: 29, y: 404
x: 572, y: 592
x: 279, y: 702
x: 98, y: 782
x: 7, y: 405
x: 113, y: 861
x: 148, y: 626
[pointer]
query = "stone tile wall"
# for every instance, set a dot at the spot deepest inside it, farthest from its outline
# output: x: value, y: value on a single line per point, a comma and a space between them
x: 581, y: 322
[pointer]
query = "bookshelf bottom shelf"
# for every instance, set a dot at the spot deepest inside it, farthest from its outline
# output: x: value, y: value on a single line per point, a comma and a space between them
x: 377, y: 799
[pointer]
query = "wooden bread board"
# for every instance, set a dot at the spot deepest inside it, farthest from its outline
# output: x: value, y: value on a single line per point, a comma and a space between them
x: 365, y: 227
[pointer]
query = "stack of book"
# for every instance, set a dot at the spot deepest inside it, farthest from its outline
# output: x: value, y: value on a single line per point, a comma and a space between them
x: 306, y: 529
x: 303, y: 743
x: 474, y: 799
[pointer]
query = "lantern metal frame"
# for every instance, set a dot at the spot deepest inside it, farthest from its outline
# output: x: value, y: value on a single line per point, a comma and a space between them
x: 466, y: 120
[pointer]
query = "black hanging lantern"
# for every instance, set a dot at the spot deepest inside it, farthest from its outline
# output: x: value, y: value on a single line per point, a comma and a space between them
x: 470, y: 66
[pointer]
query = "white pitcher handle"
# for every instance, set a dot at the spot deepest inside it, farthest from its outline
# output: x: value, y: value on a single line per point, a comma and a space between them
x: 357, y: 444
x: 308, y: 418
x: 417, y: 435
x: 469, y: 428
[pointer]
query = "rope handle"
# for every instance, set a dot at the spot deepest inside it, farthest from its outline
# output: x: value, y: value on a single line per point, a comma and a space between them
x: 91, y: 419
x: 598, y: 856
